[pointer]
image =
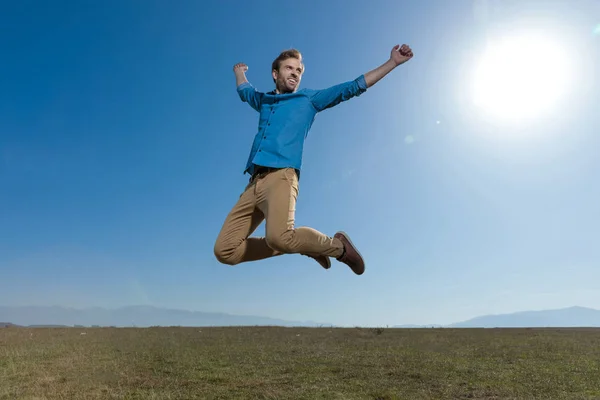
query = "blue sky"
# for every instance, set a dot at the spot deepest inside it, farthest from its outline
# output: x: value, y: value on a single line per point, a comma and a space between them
x: 123, y: 140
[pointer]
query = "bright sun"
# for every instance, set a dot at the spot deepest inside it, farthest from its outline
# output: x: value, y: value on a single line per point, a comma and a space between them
x: 520, y: 77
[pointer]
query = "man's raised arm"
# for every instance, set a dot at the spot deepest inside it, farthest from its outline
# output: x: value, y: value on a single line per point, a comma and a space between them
x: 239, y: 70
x: 398, y: 56
x: 332, y: 96
x: 245, y: 90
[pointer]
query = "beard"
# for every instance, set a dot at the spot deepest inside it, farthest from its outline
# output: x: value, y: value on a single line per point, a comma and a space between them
x: 284, y: 86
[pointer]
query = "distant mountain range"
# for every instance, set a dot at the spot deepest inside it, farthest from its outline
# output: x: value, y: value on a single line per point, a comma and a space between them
x: 145, y: 316
x: 563, y: 318
x: 138, y: 316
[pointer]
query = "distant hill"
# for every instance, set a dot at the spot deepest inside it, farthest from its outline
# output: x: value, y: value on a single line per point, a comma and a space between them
x: 566, y: 317
x: 572, y: 317
x: 140, y: 316
x: 7, y: 325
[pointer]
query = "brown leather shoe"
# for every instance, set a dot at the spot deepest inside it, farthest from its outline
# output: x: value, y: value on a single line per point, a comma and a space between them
x: 351, y: 256
x: 323, y: 260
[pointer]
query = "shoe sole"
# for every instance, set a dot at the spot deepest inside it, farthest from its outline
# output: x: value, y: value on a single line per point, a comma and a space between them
x: 327, y: 261
x: 355, y: 249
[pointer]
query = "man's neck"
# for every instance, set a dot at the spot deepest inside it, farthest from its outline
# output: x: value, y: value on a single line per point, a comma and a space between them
x: 277, y: 91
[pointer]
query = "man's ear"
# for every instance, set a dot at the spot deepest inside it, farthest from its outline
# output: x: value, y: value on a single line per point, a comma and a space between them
x: 275, y: 74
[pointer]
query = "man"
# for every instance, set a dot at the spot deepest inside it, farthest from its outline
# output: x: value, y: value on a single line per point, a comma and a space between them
x: 274, y: 164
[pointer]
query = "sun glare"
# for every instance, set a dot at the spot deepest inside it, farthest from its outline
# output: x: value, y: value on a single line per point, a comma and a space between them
x: 520, y: 77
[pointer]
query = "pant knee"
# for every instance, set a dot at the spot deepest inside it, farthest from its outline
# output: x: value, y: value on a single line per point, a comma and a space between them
x: 225, y: 254
x: 281, y: 243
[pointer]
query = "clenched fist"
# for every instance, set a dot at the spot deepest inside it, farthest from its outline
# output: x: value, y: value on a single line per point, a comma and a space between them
x: 240, y: 67
x: 401, y: 54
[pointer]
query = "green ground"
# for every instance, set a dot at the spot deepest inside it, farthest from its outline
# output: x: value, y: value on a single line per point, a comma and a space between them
x: 299, y: 363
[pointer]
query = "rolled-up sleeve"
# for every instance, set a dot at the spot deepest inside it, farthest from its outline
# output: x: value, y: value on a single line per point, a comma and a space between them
x: 250, y: 95
x: 334, y: 95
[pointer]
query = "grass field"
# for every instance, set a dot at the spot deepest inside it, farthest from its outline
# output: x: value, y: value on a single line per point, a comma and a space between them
x: 299, y: 363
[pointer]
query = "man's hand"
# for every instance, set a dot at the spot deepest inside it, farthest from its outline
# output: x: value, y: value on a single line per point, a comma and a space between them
x: 401, y: 54
x: 240, y: 67
x: 239, y: 70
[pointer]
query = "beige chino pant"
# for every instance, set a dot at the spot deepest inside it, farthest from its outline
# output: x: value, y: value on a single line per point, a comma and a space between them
x: 272, y: 198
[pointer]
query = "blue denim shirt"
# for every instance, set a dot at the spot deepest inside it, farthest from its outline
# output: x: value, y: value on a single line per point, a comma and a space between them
x: 286, y: 119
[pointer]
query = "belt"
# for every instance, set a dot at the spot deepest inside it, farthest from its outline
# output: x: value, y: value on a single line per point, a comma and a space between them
x: 260, y: 171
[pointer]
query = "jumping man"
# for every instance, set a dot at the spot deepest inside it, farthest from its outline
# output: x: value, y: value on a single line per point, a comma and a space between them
x: 286, y: 115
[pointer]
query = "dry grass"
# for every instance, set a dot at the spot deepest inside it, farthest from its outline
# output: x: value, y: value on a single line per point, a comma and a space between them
x: 299, y: 363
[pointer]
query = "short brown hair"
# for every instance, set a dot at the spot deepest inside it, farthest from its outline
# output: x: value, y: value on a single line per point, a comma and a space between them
x: 284, y: 55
